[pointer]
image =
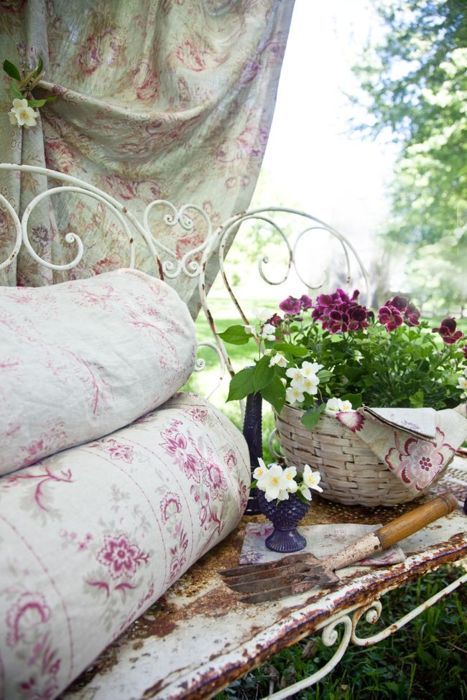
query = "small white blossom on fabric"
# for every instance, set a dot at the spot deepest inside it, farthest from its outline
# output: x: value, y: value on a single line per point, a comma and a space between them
x: 293, y: 394
x: 311, y: 479
x: 346, y: 406
x: 278, y: 359
x: 268, y: 332
x: 260, y: 470
x: 309, y: 369
x: 310, y: 384
x: 21, y: 114
x: 274, y: 483
x: 290, y: 473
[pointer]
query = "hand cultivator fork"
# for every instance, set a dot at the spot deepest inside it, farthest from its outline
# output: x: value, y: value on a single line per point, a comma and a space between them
x: 299, y: 573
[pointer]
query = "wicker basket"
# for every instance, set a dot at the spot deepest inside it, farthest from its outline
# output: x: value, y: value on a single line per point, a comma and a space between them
x: 350, y: 472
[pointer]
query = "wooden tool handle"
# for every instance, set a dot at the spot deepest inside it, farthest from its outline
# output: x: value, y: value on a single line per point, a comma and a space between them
x: 415, y: 519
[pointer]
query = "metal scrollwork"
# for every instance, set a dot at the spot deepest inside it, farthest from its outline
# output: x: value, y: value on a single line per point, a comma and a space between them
x: 5, y: 204
x: 330, y: 637
x: 179, y: 217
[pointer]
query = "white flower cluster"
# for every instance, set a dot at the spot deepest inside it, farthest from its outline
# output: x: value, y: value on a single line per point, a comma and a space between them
x: 265, y: 332
x: 305, y: 380
x: 338, y: 406
x: 21, y: 114
x: 462, y: 384
x: 277, y: 482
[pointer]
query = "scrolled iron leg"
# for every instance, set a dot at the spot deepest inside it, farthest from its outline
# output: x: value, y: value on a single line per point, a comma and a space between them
x: 372, y: 614
x: 329, y: 637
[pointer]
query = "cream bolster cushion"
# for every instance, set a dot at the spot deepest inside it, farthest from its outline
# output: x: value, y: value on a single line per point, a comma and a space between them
x: 81, y: 359
x: 91, y: 537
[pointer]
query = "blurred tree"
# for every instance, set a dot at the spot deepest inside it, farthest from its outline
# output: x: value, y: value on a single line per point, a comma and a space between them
x: 415, y: 87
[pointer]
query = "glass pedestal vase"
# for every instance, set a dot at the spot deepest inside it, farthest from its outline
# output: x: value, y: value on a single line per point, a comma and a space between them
x: 285, y: 516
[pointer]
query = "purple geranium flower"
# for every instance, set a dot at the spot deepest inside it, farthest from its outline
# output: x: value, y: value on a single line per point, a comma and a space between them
x: 448, y: 331
x: 291, y: 306
x: 390, y: 317
x: 397, y: 310
x: 275, y: 320
x: 339, y: 313
x: 305, y: 302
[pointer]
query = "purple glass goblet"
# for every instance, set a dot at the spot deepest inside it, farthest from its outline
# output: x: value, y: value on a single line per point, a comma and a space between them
x: 285, y: 516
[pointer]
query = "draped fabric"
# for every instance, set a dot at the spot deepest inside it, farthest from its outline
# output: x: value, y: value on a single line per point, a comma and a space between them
x: 156, y: 99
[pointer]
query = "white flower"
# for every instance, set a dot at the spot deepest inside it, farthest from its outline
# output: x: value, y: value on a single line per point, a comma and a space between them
x: 274, y: 483
x: 250, y: 330
x: 290, y: 473
x: 22, y: 115
x: 310, y: 384
x: 294, y: 395
x: 462, y: 383
x: 260, y: 470
x: 294, y: 374
x: 333, y: 405
x: 310, y: 481
x: 309, y: 369
x: 278, y: 359
x: 268, y: 332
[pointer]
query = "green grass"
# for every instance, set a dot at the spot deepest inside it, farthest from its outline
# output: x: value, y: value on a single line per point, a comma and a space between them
x: 425, y: 659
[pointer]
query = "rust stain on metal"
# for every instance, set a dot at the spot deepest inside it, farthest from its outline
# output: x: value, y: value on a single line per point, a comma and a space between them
x: 218, y: 600
x: 150, y: 692
x: 160, y: 268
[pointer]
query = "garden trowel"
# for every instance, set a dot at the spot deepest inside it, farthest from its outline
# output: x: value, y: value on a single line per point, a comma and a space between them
x: 298, y: 573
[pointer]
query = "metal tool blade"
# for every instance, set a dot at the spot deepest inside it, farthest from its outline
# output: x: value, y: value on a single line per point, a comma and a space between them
x: 291, y: 588
x: 270, y: 565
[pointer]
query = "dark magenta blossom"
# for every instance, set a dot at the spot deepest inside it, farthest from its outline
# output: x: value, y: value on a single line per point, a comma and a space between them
x: 305, y: 302
x: 339, y: 313
x: 275, y: 320
x: 448, y: 331
x: 398, y: 310
x: 390, y: 317
x: 291, y: 306
x: 412, y: 315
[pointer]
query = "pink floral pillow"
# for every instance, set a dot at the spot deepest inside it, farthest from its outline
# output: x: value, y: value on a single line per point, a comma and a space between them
x: 81, y: 359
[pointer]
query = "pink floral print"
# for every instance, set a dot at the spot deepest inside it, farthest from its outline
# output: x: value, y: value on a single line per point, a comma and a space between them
x: 61, y: 386
x: 417, y: 461
x: 94, y: 535
x: 121, y: 557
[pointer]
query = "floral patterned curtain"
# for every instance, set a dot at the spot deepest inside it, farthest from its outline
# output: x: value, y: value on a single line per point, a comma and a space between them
x: 156, y: 99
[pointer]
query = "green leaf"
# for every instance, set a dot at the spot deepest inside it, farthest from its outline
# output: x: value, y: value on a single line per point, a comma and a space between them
x: 417, y: 399
x: 312, y: 416
x: 15, y: 92
x: 241, y: 384
x: 235, y: 335
x: 295, y: 350
x: 40, y: 67
x: 355, y: 399
x: 274, y: 393
x: 324, y: 375
x: 263, y: 373
x: 37, y: 103
x: 11, y: 70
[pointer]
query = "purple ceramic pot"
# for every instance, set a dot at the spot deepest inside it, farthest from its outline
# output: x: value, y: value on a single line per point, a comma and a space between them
x: 285, y: 516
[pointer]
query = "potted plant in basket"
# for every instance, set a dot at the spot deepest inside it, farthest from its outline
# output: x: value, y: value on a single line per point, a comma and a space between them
x: 333, y: 355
